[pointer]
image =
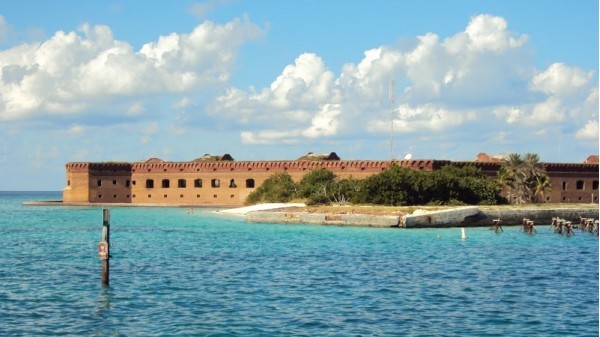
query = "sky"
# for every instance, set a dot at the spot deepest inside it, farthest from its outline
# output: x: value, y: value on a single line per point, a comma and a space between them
x: 95, y: 81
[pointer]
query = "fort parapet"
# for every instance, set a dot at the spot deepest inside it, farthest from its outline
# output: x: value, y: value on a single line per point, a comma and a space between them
x: 222, y: 181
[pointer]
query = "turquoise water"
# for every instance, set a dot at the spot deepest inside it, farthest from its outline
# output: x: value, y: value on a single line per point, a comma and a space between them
x: 202, y: 274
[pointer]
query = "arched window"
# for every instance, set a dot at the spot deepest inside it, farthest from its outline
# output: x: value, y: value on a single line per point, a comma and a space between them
x: 149, y: 183
x: 198, y: 183
x: 580, y: 185
x: 249, y: 183
x: 181, y: 183
x: 232, y: 184
x: 165, y: 183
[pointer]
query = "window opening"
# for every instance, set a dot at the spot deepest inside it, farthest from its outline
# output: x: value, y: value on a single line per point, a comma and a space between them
x: 232, y: 184
x: 198, y: 183
x: 149, y: 183
x: 215, y: 183
x: 580, y: 185
x: 249, y: 183
x: 165, y: 183
x: 181, y: 183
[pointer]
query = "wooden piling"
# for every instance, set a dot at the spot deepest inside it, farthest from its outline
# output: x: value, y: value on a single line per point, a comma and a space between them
x: 104, y: 246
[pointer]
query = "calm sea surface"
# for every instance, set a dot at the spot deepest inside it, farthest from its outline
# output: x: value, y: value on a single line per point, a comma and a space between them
x: 202, y: 274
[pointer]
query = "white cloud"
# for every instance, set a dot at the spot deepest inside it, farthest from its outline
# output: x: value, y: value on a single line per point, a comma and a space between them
x: 268, y: 137
x: 568, y: 91
x: 481, y: 78
x: 489, y: 33
x: 561, y: 80
x: 325, y: 122
x: 73, y: 71
x: 426, y: 117
x: 588, y: 132
x: 510, y: 114
x: 76, y: 130
x: 307, y: 80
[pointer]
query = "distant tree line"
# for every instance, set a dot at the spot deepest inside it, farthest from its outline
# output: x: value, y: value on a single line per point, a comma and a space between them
x: 396, y: 186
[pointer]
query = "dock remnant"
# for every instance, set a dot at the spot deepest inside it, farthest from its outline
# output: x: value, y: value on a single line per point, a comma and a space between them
x: 496, y: 227
x: 589, y: 225
x: 528, y: 226
x: 104, y: 246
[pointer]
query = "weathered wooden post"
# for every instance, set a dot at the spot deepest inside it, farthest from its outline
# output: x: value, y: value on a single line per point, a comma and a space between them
x: 103, y: 246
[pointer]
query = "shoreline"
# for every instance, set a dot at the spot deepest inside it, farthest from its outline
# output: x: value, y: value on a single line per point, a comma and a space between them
x: 379, y: 216
x: 440, y: 217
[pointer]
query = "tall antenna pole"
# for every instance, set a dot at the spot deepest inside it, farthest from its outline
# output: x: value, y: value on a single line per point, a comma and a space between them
x: 392, y: 92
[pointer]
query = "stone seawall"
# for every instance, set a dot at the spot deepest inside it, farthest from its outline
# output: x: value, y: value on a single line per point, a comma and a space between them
x: 539, y: 216
x: 469, y: 216
x: 357, y: 220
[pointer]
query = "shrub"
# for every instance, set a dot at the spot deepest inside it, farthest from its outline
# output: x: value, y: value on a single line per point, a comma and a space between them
x: 277, y: 188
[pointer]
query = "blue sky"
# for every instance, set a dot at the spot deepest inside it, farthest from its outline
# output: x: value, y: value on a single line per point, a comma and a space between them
x: 268, y: 80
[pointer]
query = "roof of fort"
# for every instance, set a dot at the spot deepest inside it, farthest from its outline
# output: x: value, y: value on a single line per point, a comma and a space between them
x: 329, y: 160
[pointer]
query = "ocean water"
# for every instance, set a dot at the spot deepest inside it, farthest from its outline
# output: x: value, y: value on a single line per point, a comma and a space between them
x: 204, y: 274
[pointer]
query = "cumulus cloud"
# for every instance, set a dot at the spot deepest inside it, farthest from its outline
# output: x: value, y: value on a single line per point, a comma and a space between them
x: 421, y: 118
x: 324, y: 123
x: 72, y: 71
x: 490, y: 33
x: 482, y: 77
x: 589, y: 131
x: 560, y: 79
x: 447, y: 82
x: 568, y: 92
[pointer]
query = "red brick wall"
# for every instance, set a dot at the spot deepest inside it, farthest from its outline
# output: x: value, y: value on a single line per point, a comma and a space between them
x: 126, y: 182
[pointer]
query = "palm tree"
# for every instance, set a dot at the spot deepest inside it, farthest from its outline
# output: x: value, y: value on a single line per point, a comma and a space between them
x: 541, y: 186
x: 512, y: 176
x: 533, y: 173
x: 518, y: 175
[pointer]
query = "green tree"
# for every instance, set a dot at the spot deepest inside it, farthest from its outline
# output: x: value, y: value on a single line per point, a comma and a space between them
x: 391, y: 187
x: 315, y: 183
x: 343, y: 191
x: 463, y: 185
x: 277, y: 188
